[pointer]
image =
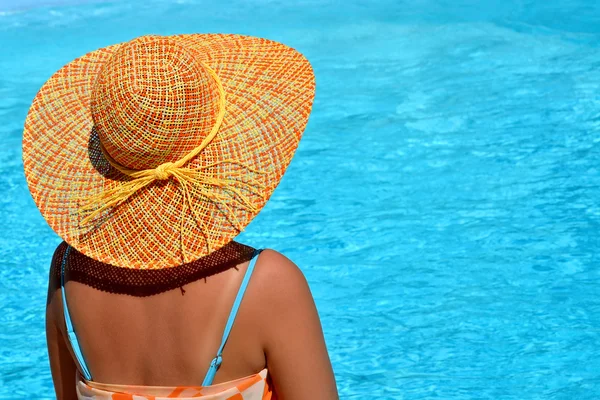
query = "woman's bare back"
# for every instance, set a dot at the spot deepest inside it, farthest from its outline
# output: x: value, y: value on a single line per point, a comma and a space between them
x: 170, y: 338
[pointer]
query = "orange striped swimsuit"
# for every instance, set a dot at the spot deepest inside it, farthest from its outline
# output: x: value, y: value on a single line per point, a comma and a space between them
x: 253, y: 387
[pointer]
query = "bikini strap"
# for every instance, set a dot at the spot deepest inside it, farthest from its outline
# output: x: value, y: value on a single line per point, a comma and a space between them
x: 216, y: 362
x: 70, y: 331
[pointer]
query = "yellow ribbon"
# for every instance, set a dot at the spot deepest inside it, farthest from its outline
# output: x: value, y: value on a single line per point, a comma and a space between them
x: 110, y: 198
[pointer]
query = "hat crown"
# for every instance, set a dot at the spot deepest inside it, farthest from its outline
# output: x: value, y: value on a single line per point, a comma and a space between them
x: 153, y: 102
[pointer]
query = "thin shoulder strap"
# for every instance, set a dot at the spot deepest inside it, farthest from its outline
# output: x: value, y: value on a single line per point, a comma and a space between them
x: 216, y: 362
x: 70, y: 331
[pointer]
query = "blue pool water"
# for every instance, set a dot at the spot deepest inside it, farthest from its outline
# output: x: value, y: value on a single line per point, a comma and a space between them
x: 444, y: 203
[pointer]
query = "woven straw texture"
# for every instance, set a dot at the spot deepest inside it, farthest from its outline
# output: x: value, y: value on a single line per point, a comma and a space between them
x: 151, y: 101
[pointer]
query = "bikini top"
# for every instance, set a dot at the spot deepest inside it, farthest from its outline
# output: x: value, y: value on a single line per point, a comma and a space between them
x: 214, y: 364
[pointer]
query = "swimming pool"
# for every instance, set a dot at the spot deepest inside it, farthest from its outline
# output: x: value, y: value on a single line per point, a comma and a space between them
x: 444, y: 202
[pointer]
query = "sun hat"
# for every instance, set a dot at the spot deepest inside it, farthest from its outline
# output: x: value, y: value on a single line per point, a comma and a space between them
x: 158, y: 151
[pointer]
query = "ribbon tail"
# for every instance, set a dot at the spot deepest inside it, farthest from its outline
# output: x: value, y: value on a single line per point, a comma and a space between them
x: 183, y: 181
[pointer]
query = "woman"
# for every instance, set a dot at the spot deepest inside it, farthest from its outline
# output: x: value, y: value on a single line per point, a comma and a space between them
x: 148, y: 158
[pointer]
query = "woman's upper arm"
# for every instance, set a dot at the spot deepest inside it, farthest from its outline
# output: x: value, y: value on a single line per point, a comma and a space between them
x: 295, y: 348
x: 62, y: 365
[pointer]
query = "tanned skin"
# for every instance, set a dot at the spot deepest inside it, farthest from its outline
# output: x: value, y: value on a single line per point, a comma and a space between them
x: 170, y: 338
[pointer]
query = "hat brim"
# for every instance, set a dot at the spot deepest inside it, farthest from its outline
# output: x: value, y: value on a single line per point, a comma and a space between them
x: 269, y: 94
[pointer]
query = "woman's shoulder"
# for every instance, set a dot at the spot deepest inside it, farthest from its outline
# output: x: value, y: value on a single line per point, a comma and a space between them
x: 273, y: 266
x: 55, y: 270
x: 280, y: 282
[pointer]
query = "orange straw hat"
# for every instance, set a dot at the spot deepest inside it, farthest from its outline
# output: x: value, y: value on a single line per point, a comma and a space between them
x: 158, y: 151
